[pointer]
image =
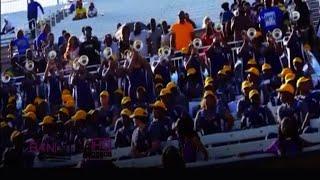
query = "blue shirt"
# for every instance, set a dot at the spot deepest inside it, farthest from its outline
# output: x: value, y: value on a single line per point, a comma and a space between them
x: 270, y: 19
x: 33, y: 10
x: 22, y: 45
x: 40, y: 39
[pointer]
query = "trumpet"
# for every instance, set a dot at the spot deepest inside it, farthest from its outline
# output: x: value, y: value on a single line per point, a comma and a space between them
x: 138, y: 45
x: 5, y: 77
x: 76, y: 65
x: 29, y: 65
x: 251, y: 33
x: 277, y: 34
x: 83, y: 60
x: 197, y: 43
x: 107, y: 53
x: 52, y: 55
x: 295, y: 16
x: 164, y: 51
x: 218, y: 28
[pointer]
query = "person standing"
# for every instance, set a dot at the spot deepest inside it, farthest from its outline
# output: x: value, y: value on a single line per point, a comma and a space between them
x: 33, y: 14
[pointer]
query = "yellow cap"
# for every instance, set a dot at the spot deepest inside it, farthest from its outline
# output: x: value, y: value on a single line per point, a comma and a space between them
x: 207, y: 84
x: 125, y: 100
x: 30, y: 115
x: 92, y: 111
x: 104, y: 93
x: 126, y: 112
x: 286, y: 88
x: 184, y: 50
x: 208, y: 93
x: 80, y: 115
x: 266, y: 66
x: 301, y: 81
x: 289, y: 77
x: 254, y: 71
x: 252, y: 62
x: 66, y: 91
x: 227, y: 68
x: 307, y: 47
x: 69, y: 103
x: 11, y: 116
x: 30, y: 107
x: 64, y: 110
x: 297, y: 60
x: 47, y: 120
x: 208, y: 80
x: 171, y: 85
x: 158, y: 76
x: 159, y: 85
x: 252, y: 93
x: 11, y: 99
x: 139, y: 112
x: 37, y: 100
x: 119, y: 91
x: 164, y: 91
x: 159, y: 104
x: 222, y: 72
x: 191, y: 71
x: 3, y: 124
x: 246, y: 84
x: 284, y: 72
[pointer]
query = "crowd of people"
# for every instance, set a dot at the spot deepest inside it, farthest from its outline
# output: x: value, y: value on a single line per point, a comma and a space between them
x: 81, y: 12
x: 139, y: 104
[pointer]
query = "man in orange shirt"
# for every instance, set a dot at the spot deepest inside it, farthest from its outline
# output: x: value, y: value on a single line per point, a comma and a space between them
x: 182, y: 33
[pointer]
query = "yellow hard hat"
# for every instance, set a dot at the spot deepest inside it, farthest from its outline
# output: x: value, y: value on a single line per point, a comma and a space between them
x: 290, y: 77
x: 307, y: 47
x: 284, y: 72
x: 158, y: 76
x: 37, y: 100
x: 208, y: 80
x: 69, y: 103
x: 301, y: 81
x: 159, y: 104
x: 139, y: 112
x: 30, y: 107
x: 266, y: 66
x: 208, y: 93
x: 207, y: 84
x: 119, y: 91
x: 246, y: 84
x: 11, y: 99
x: 252, y: 93
x: 104, y: 93
x: 164, y: 91
x: 66, y: 91
x: 126, y: 112
x: 286, y: 88
x: 11, y: 116
x: 66, y: 97
x: 297, y: 60
x: 191, y: 71
x: 80, y: 115
x: 125, y: 100
x: 31, y: 115
x: 222, y: 72
x: 252, y: 62
x: 254, y: 71
x: 64, y: 110
x: 47, y: 120
x: 227, y: 68
x: 171, y: 85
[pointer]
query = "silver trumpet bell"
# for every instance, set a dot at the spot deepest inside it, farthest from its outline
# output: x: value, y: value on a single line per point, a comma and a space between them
x: 277, y: 34
x: 197, y: 43
x: 251, y: 33
x: 29, y: 65
x: 138, y: 45
x: 5, y: 77
x: 83, y: 60
x: 107, y: 52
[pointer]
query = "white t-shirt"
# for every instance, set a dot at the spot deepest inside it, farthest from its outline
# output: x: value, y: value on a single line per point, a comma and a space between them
x: 143, y: 36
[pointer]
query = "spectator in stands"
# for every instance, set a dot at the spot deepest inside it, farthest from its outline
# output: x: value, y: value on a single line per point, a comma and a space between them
x: 81, y: 12
x: 22, y: 44
x: 253, y: 76
x: 270, y: 18
x: 239, y: 23
x: 41, y: 40
x: 33, y: 14
x: 256, y: 115
x: 51, y: 46
x: 189, y: 141
x: 29, y: 86
x: 190, y: 21
x: 61, y: 39
x: 217, y: 55
x: 90, y: 47
x: 182, y: 33
x: 140, y: 142
x: 194, y: 85
x: 72, y: 50
x: 166, y: 34
x: 63, y: 48
x: 208, y: 36
x: 304, y: 23
x: 49, y: 138
x: 179, y: 99
x: 172, y: 159
x: 123, y: 134
x: 142, y: 35
x: 205, y: 21
x: 244, y: 102
x: 163, y: 70
x: 269, y: 82
x: 92, y: 11
x: 105, y: 112
x: 226, y: 15
x: 29, y: 128
x: 298, y: 67
x: 289, y: 106
x: 124, y: 41
x: 155, y: 37
x: 93, y: 128
x: 7, y: 27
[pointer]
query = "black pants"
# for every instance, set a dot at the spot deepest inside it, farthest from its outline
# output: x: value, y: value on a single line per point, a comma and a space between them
x: 32, y: 26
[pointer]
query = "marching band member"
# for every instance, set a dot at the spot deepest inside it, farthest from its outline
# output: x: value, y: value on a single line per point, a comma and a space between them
x: 90, y: 47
